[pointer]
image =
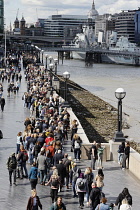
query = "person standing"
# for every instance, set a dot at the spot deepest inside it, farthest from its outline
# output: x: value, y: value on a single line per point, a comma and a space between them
x: 33, y: 176
x: 12, y: 165
x: 100, y: 150
x: 2, y: 103
x: 93, y: 155
x: 126, y: 156
x: 99, y: 179
x: 121, y: 152
x: 95, y: 195
x: 33, y: 201
x: 41, y: 161
x: 61, y: 172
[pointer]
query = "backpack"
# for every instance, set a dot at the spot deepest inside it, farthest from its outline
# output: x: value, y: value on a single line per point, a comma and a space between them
x: 12, y: 162
x: 76, y: 145
x: 55, y: 182
x: 75, y: 175
x: 25, y: 156
x: 81, y: 185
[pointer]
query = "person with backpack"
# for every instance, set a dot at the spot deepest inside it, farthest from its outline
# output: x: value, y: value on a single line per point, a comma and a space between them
x: 22, y: 158
x: 80, y: 188
x: 12, y: 165
x: 74, y: 174
x: 55, y: 183
x: 124, y: 194
x: 89, y: 176
x: 76, y: 143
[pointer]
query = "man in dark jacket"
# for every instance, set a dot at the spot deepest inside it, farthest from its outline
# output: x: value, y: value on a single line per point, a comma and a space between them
x: 95, y: 196
x: 58, y: 156
x: 67, y: 163
x: 2, y: 103
x: 12, y: 165
x: 61, y: 172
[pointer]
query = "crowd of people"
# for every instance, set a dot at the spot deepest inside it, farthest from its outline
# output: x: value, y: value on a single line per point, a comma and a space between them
x: 40, y: 155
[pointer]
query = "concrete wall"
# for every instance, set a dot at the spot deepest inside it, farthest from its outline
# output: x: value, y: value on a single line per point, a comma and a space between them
x: 110, y: 151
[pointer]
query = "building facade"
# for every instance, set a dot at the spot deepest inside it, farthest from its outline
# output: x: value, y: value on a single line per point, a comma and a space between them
x: 125, y: 25
x: 1, y: 16
x: 63, y: 26
x: 137, y: 27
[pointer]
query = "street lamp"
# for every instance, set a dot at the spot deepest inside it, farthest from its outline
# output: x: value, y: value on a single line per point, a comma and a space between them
x: 119, y: 94
x: 55, y: 61
x: 46, y: 59
x: 42, y: 55
x: 51, y: 67
x: 50, y: 58
x: 66, y: 76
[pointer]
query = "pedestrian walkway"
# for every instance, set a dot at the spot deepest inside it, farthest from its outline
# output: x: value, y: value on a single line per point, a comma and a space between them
x: 16, y: 197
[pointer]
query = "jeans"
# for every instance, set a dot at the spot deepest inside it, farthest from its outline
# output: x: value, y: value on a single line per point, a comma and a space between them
x: 12, y: 171
x: 24, y: 168
x: 100, y: 159
x: 120, y: 157
x: 77, y: 153
x: 93, y: 161
x: 43, y: 176
x: 73, y: 188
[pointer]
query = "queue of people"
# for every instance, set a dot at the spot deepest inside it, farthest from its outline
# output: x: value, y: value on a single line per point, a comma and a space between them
x: 40, y: 147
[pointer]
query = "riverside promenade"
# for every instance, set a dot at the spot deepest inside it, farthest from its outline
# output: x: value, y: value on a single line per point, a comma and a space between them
x: 16, y: 197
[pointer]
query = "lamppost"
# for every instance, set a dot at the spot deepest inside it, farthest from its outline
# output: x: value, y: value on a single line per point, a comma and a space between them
x: 51, y: 67
x: 119, y: 94
x: 42, y: 55
x: 55, y: 62
x: 50, y: 59
x: 66, y: 76
x: 46, y: 56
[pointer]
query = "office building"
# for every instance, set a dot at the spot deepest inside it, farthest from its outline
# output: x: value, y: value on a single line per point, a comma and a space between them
x: 1, y: 16
x: 137, y: 27
x: 125, y: 25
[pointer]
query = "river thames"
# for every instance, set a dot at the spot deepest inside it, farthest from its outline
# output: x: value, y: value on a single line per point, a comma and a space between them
x: 102, y: 80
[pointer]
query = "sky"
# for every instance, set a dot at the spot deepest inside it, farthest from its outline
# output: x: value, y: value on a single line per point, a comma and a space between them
x: 33, y: 9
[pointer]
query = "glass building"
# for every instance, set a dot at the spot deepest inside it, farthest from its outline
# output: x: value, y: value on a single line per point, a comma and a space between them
x: 1, y: 16
x: 58, y: 26
x: 137, y: 27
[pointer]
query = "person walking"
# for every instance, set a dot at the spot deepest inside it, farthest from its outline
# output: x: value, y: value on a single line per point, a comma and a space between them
x: 76, y: 143
x: 124, y: 194
x: 121, y: 153
x: 55, y: 182
x: 126, y: 156
x: 2, y: 103
x: 89, y: 176
x: 34, y: 201
x: 33, y: 176
x: 74, y: 174
x: 61, y: 172
x: 58, y: 205
x: 12, y: 165
x: 80, y: 188
x: 95, y: 195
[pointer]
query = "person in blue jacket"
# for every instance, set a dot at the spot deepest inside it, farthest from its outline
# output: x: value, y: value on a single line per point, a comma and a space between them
x: 33, y: 176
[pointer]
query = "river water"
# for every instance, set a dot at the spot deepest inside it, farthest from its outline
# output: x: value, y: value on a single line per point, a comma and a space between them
x: 102, y: 80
